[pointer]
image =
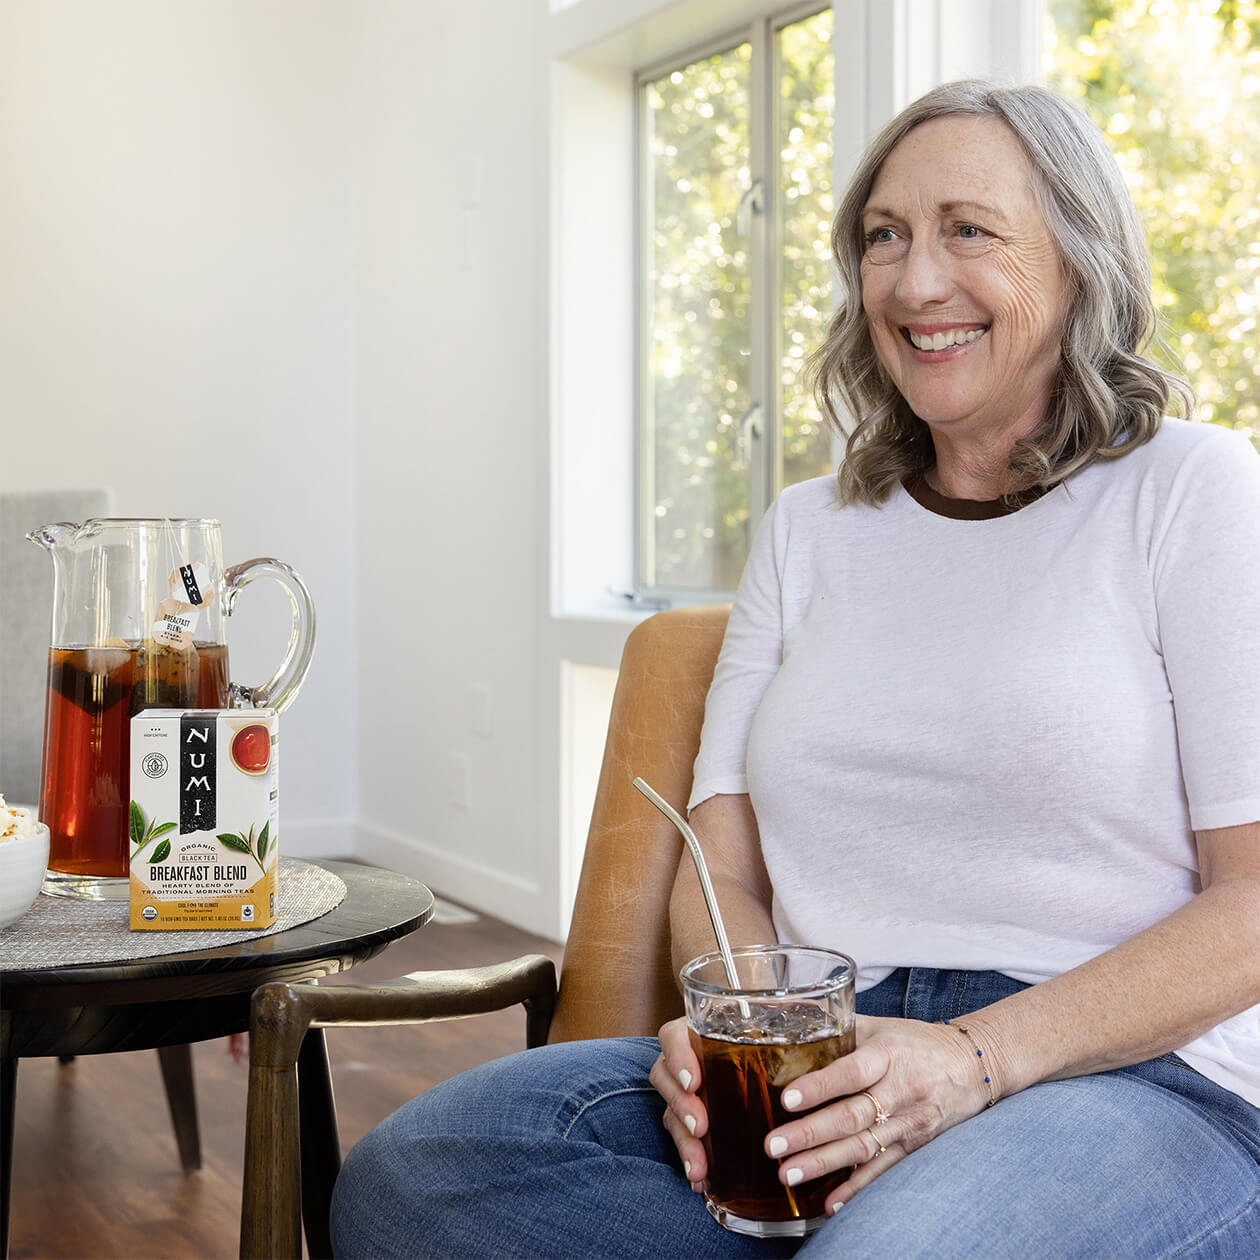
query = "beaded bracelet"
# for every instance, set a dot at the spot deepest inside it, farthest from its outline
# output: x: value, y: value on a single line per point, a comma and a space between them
x: 988, y: 1080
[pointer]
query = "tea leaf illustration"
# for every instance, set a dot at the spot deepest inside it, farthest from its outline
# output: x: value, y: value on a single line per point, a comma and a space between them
x: 262, y: 840
x: 142, y: 834
x: 237, y: 843
x: 162, y: 852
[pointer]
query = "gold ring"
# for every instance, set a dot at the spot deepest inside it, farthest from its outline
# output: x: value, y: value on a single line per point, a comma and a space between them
x: 882, y: 1147
x: 880, y: 1114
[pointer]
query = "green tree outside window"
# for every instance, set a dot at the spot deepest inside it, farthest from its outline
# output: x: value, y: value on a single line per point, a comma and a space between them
x: 1175, y: 85
x: 698, y: 334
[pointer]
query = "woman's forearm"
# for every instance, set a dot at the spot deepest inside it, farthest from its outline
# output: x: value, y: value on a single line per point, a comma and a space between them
x: 727, y: 831
x: 691, y: 934
x: 1147, y: 996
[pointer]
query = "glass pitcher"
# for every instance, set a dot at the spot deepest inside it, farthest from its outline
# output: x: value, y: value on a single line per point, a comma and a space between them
x: 139, y: 619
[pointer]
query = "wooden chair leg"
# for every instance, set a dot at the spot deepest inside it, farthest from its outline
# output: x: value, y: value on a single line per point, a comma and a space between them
x: 271, y: 1207
x: 181, y: 1097
x: 320, y: 1142
x: 8, y: 1097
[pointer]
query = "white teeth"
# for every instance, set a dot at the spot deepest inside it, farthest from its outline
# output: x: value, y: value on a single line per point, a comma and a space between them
x: 943, y: 341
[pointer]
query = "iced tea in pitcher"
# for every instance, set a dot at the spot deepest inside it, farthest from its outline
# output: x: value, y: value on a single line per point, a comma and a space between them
x: 93, y: 693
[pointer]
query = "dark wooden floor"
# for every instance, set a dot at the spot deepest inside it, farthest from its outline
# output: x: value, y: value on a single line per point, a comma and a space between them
x: 96, y: 1173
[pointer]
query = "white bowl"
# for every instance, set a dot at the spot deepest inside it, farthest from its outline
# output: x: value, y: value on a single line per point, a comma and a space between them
x: 23, y: 861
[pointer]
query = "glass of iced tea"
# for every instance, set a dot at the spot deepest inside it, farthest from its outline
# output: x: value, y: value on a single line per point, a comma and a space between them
x: 792, y: 1014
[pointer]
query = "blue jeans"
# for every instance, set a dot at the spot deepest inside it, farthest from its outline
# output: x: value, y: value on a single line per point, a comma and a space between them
x: 560, y: 1152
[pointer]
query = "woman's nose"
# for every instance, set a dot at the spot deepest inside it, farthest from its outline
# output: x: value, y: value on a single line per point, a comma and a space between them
x: 923, y: 278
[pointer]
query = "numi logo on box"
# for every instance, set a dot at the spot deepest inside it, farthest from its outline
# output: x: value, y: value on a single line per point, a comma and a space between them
x: 197, y: 777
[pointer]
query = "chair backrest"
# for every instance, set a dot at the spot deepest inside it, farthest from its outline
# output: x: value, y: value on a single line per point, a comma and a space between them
x: 617, y: 978
x: 25, y: 621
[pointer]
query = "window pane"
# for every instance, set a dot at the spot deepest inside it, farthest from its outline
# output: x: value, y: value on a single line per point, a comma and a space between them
x: 697, y: 333
x: 1176, y: 86
x: 807, y: 113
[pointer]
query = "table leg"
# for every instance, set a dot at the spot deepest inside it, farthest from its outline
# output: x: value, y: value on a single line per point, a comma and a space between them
x: 320, y: 1142
x: 181, y: 1097
x: 8, y: 1097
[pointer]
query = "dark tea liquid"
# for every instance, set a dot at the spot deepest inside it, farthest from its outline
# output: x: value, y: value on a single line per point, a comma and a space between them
x: 741, y: 1084
x: 93, y: 693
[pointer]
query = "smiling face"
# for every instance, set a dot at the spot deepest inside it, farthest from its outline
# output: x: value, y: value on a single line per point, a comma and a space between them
x: 961, y: 282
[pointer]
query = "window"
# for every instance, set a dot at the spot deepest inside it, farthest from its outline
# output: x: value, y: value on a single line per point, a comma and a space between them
x: 735, y: 211
x: 1175, y: 84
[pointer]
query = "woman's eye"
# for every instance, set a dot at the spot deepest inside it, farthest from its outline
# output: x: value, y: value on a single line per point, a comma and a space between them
x: 880, y: 236
x: 969, y: 232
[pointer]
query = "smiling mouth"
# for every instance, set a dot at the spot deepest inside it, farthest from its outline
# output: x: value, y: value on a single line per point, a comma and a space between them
x: 944, y: 340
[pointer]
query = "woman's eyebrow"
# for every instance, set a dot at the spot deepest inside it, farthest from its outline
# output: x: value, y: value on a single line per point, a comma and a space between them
x: 980, y: 207
x: 956, y: 206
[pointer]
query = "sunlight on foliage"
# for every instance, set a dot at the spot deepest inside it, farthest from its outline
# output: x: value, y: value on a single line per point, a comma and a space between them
x: 699, y: 328
x: 807, y: 112
x: 1175, y: 84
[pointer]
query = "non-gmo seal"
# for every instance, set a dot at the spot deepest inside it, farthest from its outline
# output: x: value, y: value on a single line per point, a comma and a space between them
x: 149, y: 913
x: 154, y: 765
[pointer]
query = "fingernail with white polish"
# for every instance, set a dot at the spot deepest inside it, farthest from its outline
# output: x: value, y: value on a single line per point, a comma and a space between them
x: 835, y: 1207
x: 791, y: 1098
x: 690, y: 1122
x: 795, y: 1176
x: 684, y: 1079
x: 778, y: 1146
x: 696, y: 1186
x: 687, y: 1169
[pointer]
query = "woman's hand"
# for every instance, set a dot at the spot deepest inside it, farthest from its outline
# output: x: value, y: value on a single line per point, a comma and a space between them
x: 926, y: 1077
x: 676, y: 1075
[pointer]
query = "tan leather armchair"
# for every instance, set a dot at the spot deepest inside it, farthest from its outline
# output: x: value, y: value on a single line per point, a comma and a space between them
x: 617, y: 978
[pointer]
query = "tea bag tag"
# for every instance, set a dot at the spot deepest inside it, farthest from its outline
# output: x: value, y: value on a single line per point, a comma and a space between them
x: 190, y: 584
x: 178, y: 616
x: 194, y: 580
x: 176, y: 623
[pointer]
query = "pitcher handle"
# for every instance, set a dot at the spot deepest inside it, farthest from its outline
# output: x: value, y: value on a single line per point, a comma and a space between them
x: 278, y: 691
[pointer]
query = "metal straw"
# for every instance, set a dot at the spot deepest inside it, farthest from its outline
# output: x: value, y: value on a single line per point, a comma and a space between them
x: 702, y: 869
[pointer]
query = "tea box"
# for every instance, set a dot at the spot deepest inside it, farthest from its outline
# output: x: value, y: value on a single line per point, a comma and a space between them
x: 204, y: 818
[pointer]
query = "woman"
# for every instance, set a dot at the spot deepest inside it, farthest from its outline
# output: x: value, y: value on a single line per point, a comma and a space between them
x: 986, y: 718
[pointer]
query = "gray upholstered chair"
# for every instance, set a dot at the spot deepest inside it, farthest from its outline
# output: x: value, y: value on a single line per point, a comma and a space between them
x: 25, y: 618
x: 25, y: 621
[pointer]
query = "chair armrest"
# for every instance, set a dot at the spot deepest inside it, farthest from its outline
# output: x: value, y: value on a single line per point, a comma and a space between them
x: 283, y: 1012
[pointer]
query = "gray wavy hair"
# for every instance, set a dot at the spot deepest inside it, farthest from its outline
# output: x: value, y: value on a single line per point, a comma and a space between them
x: 1107, y: 398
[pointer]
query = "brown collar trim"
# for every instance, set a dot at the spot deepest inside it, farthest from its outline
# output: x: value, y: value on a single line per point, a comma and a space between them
x: 960, y: 509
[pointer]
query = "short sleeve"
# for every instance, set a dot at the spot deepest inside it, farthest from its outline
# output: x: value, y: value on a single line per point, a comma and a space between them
x: 752, y: 652
x: 1206, y: 571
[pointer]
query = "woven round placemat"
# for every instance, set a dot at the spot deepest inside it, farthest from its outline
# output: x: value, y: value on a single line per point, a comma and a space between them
x: 64, y: 931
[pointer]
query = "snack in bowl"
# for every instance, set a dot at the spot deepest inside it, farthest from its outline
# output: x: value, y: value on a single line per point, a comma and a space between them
x: 23, y: 860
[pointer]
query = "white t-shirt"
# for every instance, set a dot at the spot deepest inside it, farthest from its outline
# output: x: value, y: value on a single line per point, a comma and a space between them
x: 986, y: 744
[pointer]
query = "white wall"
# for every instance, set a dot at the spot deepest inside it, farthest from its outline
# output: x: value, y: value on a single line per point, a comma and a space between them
x: 452, y: 354
x: 176, y: 309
